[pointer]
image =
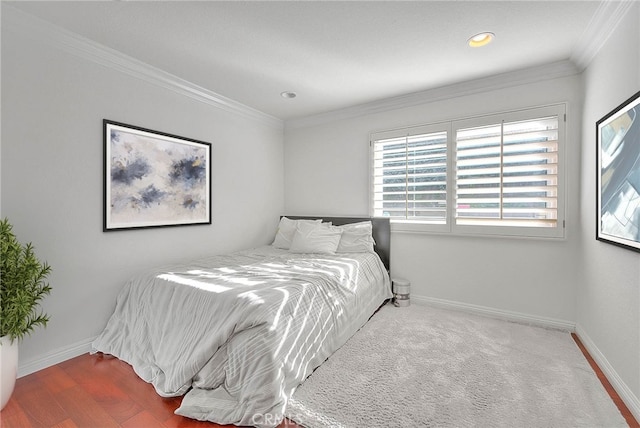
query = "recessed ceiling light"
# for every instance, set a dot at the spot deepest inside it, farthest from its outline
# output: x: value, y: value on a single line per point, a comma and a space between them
x: 288, y: 94
x: 480, y: 39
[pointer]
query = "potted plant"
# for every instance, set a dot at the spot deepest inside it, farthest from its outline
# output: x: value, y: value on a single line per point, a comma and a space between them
x: 22, y: 287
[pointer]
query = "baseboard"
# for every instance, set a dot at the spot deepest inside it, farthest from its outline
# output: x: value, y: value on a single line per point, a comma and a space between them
x: 518, y: 317
x: 629, y: 398
x: 54, y: 357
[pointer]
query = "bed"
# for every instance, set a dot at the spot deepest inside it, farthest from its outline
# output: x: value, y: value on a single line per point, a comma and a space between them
x: 237, y: 333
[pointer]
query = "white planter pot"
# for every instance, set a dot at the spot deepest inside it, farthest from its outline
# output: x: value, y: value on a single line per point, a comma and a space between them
x: 8, y: 368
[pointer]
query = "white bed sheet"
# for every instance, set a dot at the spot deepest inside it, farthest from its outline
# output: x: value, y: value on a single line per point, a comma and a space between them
x: 238, y: 333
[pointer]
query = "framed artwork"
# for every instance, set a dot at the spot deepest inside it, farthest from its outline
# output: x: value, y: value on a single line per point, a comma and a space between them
x: 153, y: 179
x: 618, y: 175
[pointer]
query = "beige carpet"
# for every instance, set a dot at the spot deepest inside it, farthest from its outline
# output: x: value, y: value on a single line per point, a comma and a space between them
x: 421, y: 366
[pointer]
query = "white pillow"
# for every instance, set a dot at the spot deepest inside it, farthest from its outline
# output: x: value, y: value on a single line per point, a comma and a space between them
x: 315, y: 238
x: 356, y: 238
x: 286, y: 230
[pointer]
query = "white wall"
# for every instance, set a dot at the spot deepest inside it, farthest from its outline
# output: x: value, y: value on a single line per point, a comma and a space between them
x: 594, y: 286
x: 326, y: 171
x: 53, y: 104
x: 608, y: 294
x: 51, y: 177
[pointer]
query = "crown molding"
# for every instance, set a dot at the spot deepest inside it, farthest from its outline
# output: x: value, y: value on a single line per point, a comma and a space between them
x: 37, y: 29
x: 603, y: 23
x: 490, y: 83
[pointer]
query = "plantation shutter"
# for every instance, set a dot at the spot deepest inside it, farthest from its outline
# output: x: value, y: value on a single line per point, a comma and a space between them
x: 507, y: 173
x: 410, y: 175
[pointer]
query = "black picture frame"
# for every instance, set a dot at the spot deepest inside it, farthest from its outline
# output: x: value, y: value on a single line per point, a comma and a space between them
x: 154, y: 179
x: 618, y: 175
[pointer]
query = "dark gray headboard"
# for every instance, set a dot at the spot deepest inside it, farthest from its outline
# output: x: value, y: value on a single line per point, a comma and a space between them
x: 381, y: 232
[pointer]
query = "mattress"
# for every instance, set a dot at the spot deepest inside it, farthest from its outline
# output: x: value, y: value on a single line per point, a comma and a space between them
x: 236, y: 334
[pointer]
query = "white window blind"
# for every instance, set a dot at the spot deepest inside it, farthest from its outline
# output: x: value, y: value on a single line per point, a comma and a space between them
x: 507, y: 173
x: 410, y: 175
x: 499, y: 174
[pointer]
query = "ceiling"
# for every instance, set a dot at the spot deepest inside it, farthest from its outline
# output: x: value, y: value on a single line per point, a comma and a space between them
x: 333, y: 54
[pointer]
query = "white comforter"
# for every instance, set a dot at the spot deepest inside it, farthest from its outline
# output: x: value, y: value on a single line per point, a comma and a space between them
x: 238, y: 333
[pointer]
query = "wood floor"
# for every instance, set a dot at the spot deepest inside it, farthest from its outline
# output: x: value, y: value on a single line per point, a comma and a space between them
x: 93, y: 391
x: 628, y: 416
x: 100, y: 391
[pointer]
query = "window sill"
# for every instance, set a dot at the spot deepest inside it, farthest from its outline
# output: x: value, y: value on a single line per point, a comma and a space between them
x: 548, y: 234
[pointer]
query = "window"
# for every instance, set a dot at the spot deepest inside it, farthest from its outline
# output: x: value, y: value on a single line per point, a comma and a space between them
x: 498, y: 174
x: 410, y: 175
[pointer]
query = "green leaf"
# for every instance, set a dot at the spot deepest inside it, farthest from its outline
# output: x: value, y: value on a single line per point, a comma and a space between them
x: 22, y: 285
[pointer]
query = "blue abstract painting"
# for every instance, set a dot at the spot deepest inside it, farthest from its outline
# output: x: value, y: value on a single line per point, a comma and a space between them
x: 154, y: 179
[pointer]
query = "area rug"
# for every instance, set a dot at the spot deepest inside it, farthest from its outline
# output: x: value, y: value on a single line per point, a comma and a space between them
x: 421, y: 366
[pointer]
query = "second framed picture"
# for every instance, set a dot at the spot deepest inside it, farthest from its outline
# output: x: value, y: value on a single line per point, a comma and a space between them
x: 154, y: 179
x: 618, y: 175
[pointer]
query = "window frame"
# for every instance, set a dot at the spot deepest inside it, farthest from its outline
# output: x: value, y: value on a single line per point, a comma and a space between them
x: 451, y: 127
x: 406, y: 224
